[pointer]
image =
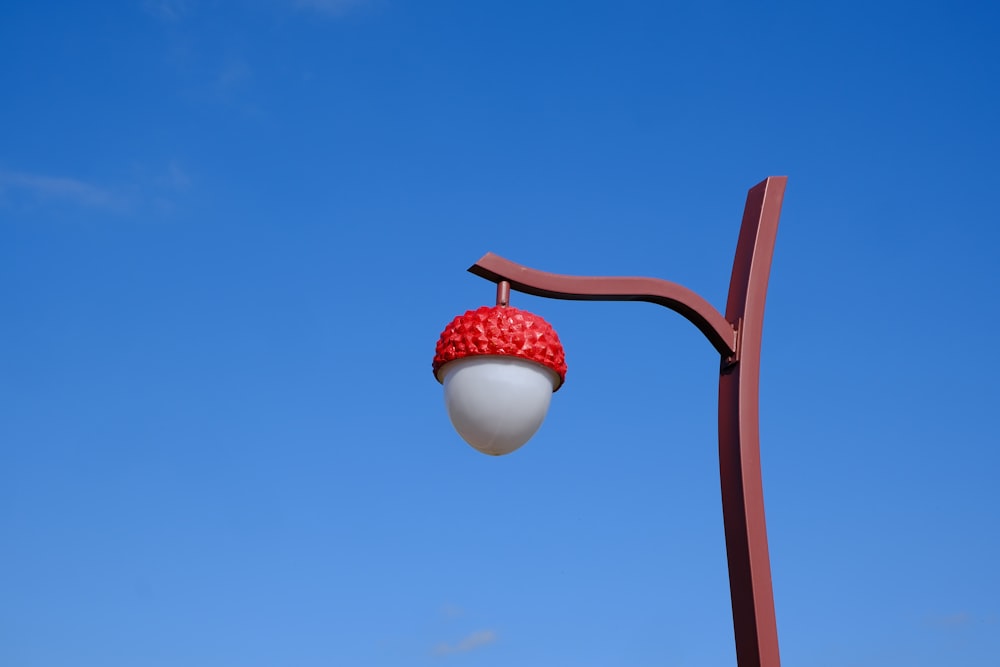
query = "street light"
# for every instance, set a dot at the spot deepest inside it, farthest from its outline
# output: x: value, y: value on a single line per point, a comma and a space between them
x: 498, y: 364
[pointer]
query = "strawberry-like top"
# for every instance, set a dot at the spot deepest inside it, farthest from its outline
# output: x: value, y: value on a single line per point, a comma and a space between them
x: 501, y: 331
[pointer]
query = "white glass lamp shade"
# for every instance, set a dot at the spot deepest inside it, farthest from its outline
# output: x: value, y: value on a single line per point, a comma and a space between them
x: 496, y: 403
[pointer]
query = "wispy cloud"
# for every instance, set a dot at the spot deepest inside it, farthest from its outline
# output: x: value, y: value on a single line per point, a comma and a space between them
x: 234, y: 74
x: 953, y: 620
x: 166, y: 10
x: 175, y: 10
x: 960, y: 619
x: 145, y: 190
x: 330, y: 7
x: 469, y: 643
x: 175, y: 177
x: 452, y: 610
x: 165, y: 188
x: 48, y: 188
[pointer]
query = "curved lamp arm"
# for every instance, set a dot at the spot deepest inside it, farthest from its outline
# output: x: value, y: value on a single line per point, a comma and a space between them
x: 676, y: 297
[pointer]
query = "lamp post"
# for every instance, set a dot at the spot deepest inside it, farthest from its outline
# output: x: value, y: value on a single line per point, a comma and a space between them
x: 521, y: 358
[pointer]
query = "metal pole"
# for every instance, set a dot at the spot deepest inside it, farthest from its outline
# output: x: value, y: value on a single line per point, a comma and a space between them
x: 754, y: 622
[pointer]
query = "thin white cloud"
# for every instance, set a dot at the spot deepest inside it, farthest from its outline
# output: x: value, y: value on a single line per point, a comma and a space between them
x: 329, y: 7
x: 233, y: 75
x: 452, y: 610
x: 476, y: 640
x: 231, y: 85
x: 175, y: 178
x: 145, y: 190
x: 166, y: 187
x: 166, y: 10
x: 49, y: 188
x: 951, y: 620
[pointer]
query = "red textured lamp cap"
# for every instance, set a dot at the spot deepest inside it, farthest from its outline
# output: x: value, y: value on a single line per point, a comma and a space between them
x: 501, y: 331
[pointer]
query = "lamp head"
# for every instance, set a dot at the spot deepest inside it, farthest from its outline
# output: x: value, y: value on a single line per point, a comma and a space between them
x: 499, y: 367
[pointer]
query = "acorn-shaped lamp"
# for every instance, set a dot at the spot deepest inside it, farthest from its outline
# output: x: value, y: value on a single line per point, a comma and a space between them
x: 499, y: 367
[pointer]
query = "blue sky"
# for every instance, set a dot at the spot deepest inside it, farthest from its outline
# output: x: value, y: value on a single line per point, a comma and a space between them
x: 232, y: 232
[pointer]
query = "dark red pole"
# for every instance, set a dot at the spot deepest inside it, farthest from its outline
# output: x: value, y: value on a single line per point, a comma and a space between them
x: 737, y: 337
x: 739, y: 439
